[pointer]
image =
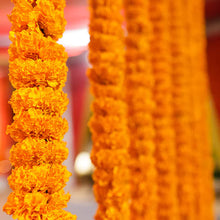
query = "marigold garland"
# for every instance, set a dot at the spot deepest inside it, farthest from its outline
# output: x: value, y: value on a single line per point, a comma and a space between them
x: 199, y: 81
x: 159, y: 72
x: 165, y: 140
x: 182, y: 112
x: 139, y: 86
x: 38, y: 72
x: 108, y: 123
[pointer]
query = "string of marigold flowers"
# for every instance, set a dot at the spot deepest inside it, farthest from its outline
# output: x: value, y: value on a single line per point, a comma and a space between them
x: 108, y: 123
x: 207, y: 151
x: 139, y: 85
x: 37, y: 70
x: 165, y: 141
x: 182, y: 111
x: 204, y: 184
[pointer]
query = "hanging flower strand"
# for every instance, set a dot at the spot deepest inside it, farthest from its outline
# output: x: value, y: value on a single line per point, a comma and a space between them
x: 37, y: 70
x: 208, y: 167
x: 182, y: 112
x: 108, y: 123
x: 200, y: 92
x: 165, y: 140
x: 139, y: 85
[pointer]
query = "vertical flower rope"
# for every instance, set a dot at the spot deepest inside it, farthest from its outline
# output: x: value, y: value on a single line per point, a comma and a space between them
x: 165, y: 137
x: 37, y: 71
x: 139, y: 86
x: 203, y: 184
x: 182, y: 111
x: 108, y: 123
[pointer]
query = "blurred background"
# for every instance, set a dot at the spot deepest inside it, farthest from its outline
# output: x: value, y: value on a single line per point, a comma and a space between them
x: 75, y: 40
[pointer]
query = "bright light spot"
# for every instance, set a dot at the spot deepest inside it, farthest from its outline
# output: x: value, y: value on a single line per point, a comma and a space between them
x: 83, y: 164
x: 75, y: 38
x: 5, y: 166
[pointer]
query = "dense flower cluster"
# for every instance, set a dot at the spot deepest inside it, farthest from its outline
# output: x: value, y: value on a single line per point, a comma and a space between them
x: 182, y: 112
x: 139, y: 82
x: 35, y: 151
x: 161, y: 100
x: 38, y: 72
x: 165, y: 140
x: 108, y: 123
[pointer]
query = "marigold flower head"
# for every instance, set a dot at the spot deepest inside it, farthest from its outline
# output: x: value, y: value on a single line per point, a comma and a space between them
x: 36, y: 205
x: 108, y: 106
x: 106, y: 124
x: 32, y: 45
x: 112, y: 27
x: 105, y: 11
x: 34, y: 151
x: 106, y: 90
x: 23, y: 16
x: 110, y: 76
x: 110, y: 176
x: 48, y: 73
x: 33, y: 123
x: 44, y: 178
x: 51, y: 18
x: 108, y: 57
x: 108, y: 159
x: 139, y: 79
x: 115, y: 140
x: 49, y: 101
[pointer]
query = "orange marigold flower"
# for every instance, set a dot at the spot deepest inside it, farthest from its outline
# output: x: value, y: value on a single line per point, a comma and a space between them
x: 48, y: 73
x: 33, y: 123
x: 105, y: 106
x: 110, y: 177
x: 34, y: 151
x: 114, y: 140
x: 44, y: 178
x: 23, y: 16
x: 51, y: 18
x: 108, y: 57
x: 35, y: 205
x: 108, y: 158
x: 53, y: 102
x: 106, y: 124
x: 105, y: 91
x: 32, y: 45
x: 110, y: 76
x: 111, y: 29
